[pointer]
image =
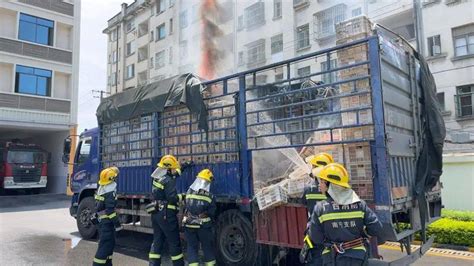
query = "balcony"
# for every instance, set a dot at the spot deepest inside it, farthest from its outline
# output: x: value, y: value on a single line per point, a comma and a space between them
x: 34, y: 50
x: 23, y: 108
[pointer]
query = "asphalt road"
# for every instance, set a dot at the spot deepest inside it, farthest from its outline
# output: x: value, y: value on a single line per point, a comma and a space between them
x: 37, y: 230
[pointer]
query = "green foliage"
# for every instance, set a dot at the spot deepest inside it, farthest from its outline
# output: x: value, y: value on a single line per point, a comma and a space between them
x: 454, y: 232
x: 458, y: 215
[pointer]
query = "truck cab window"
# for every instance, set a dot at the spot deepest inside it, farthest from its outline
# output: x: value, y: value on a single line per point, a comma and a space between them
x: 83, y: 151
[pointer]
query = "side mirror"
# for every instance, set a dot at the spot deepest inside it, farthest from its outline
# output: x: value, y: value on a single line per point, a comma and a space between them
x: 66, y: 150
x: 65, y: 158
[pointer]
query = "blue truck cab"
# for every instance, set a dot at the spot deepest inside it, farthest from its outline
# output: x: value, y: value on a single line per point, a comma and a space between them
x: 378, y: 107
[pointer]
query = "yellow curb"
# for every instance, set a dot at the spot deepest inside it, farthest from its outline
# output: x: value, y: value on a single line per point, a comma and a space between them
x: 430, y: 253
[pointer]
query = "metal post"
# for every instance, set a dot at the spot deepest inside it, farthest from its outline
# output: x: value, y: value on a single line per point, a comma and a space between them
x: 420, y: 42
x: 242, y: 132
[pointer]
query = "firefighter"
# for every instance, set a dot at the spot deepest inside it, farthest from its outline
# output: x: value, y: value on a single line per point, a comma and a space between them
x: 163, y: 211
x: 342, y: 223
x: 199, y: 212
x: 311, y: 196
x: 105, y: 216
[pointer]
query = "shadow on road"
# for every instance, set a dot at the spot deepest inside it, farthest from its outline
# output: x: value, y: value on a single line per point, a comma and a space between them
x: 20, y: 203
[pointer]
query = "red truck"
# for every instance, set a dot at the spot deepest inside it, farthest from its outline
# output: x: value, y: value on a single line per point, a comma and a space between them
x: 23, y: 166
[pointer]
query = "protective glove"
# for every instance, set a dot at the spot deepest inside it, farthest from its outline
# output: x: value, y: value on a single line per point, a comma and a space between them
x: 94, y: 219
x: 150, y: 208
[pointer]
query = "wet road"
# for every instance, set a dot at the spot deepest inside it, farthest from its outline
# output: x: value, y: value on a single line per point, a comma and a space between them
x: 38, y: 230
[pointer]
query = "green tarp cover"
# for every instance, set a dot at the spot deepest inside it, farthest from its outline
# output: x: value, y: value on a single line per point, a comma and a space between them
x: 154, y: 97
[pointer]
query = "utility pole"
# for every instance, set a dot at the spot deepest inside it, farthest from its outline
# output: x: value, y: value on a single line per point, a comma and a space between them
x: 101, y: 92
x: 420, y: 41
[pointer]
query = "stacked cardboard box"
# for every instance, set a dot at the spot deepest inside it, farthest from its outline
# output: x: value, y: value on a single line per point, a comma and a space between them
x: 272, y: 196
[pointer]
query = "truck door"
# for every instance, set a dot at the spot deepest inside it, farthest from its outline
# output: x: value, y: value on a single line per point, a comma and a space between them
x: 86, y: 165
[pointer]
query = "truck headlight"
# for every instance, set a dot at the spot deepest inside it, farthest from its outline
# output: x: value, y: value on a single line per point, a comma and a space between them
x: 43, y: 179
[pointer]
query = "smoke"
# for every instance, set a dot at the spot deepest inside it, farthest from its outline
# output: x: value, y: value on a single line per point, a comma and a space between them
x: 210, y: 32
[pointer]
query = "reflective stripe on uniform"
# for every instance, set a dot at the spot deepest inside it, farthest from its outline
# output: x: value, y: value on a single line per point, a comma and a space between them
x: 210, y: 263
x: 180, y: 197
x: 154, y: 256
x: 315, y: 196
x: 326, y: 250
x: 96, y: 260
x: 99, y: 198
x: 194, y: 264
x: 177, y: 257
x: 341, y: 215
x: 199, y: 197
x: 193, y: 226
x: 109, y: 257
x: 360, y: 248
x: 308, y: 241
x: 110, y: 216
x: 172, y: 207
x: 158, y: 185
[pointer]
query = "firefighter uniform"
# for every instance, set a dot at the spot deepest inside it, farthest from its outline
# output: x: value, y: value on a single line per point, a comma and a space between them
x: 198, y: 228
x: 163, y: 213
x: 342, y: 223
x: 311, y: 196
x: 105, y: 217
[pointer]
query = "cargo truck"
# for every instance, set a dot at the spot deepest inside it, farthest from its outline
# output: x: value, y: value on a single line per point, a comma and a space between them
x: 368, y: 100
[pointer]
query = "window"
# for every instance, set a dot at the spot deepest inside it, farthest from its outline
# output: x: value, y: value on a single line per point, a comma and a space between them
x: 325, y: 21
x: 84, y: 151
x: 113, y: 79
x: 356, y: 12
x: 440, y: 97
x: 240, y: 23
x: 160, y: 32
x: 279, y: 77
x: 276, y: 9
x: 160, y: 59
x: 35, y: 29
x: 256, y: 52
x: 114, y: 57
x: 304, y: 71
x: 332, y: 76
x: 465, y: 101
x: 171, y: 55
x: 161, y: 6
x: 241, y: 59
x: 113, y: 35
x: 299, y: 3
x: 130, y: 71
x: 171, y: 26
x: 255, y: 15
x: 130, y: 25
x: 130, y: 48
x: 302, y: 37
x: 277, y: 43
x: 183, y: 19
x: 407, y: 31
x: 183, y: 50
x: 35, y: 81
x: 434, y: 45
x: 464, y: 40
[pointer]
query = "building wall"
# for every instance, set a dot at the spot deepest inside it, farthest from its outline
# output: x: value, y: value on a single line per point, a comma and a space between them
x: 448, y: 70
x: 458, y: 181
x: 38, y: 119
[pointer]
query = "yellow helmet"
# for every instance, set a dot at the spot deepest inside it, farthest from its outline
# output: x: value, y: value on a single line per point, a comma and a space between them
x: 169, y: 162
x: 108, y: 175
x: 206, y: 174
x: 320, y: 159
x: 335, y: 173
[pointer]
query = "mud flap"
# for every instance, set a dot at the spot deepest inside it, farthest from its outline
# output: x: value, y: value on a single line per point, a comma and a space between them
x: 406, y: 260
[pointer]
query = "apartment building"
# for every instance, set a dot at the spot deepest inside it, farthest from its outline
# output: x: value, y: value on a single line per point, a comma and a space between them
x: 449, y: 49
x: 39, y: 66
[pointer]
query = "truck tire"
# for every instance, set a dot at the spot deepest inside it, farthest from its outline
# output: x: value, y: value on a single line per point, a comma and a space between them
x: 84, y: 212
x: 236, y: 244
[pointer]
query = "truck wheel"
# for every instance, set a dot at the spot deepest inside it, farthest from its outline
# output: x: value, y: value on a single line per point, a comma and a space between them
x: 235, y: 239
x: 84, y: 212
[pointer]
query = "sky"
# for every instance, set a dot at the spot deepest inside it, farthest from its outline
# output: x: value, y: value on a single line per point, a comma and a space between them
x: 93, y: 56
